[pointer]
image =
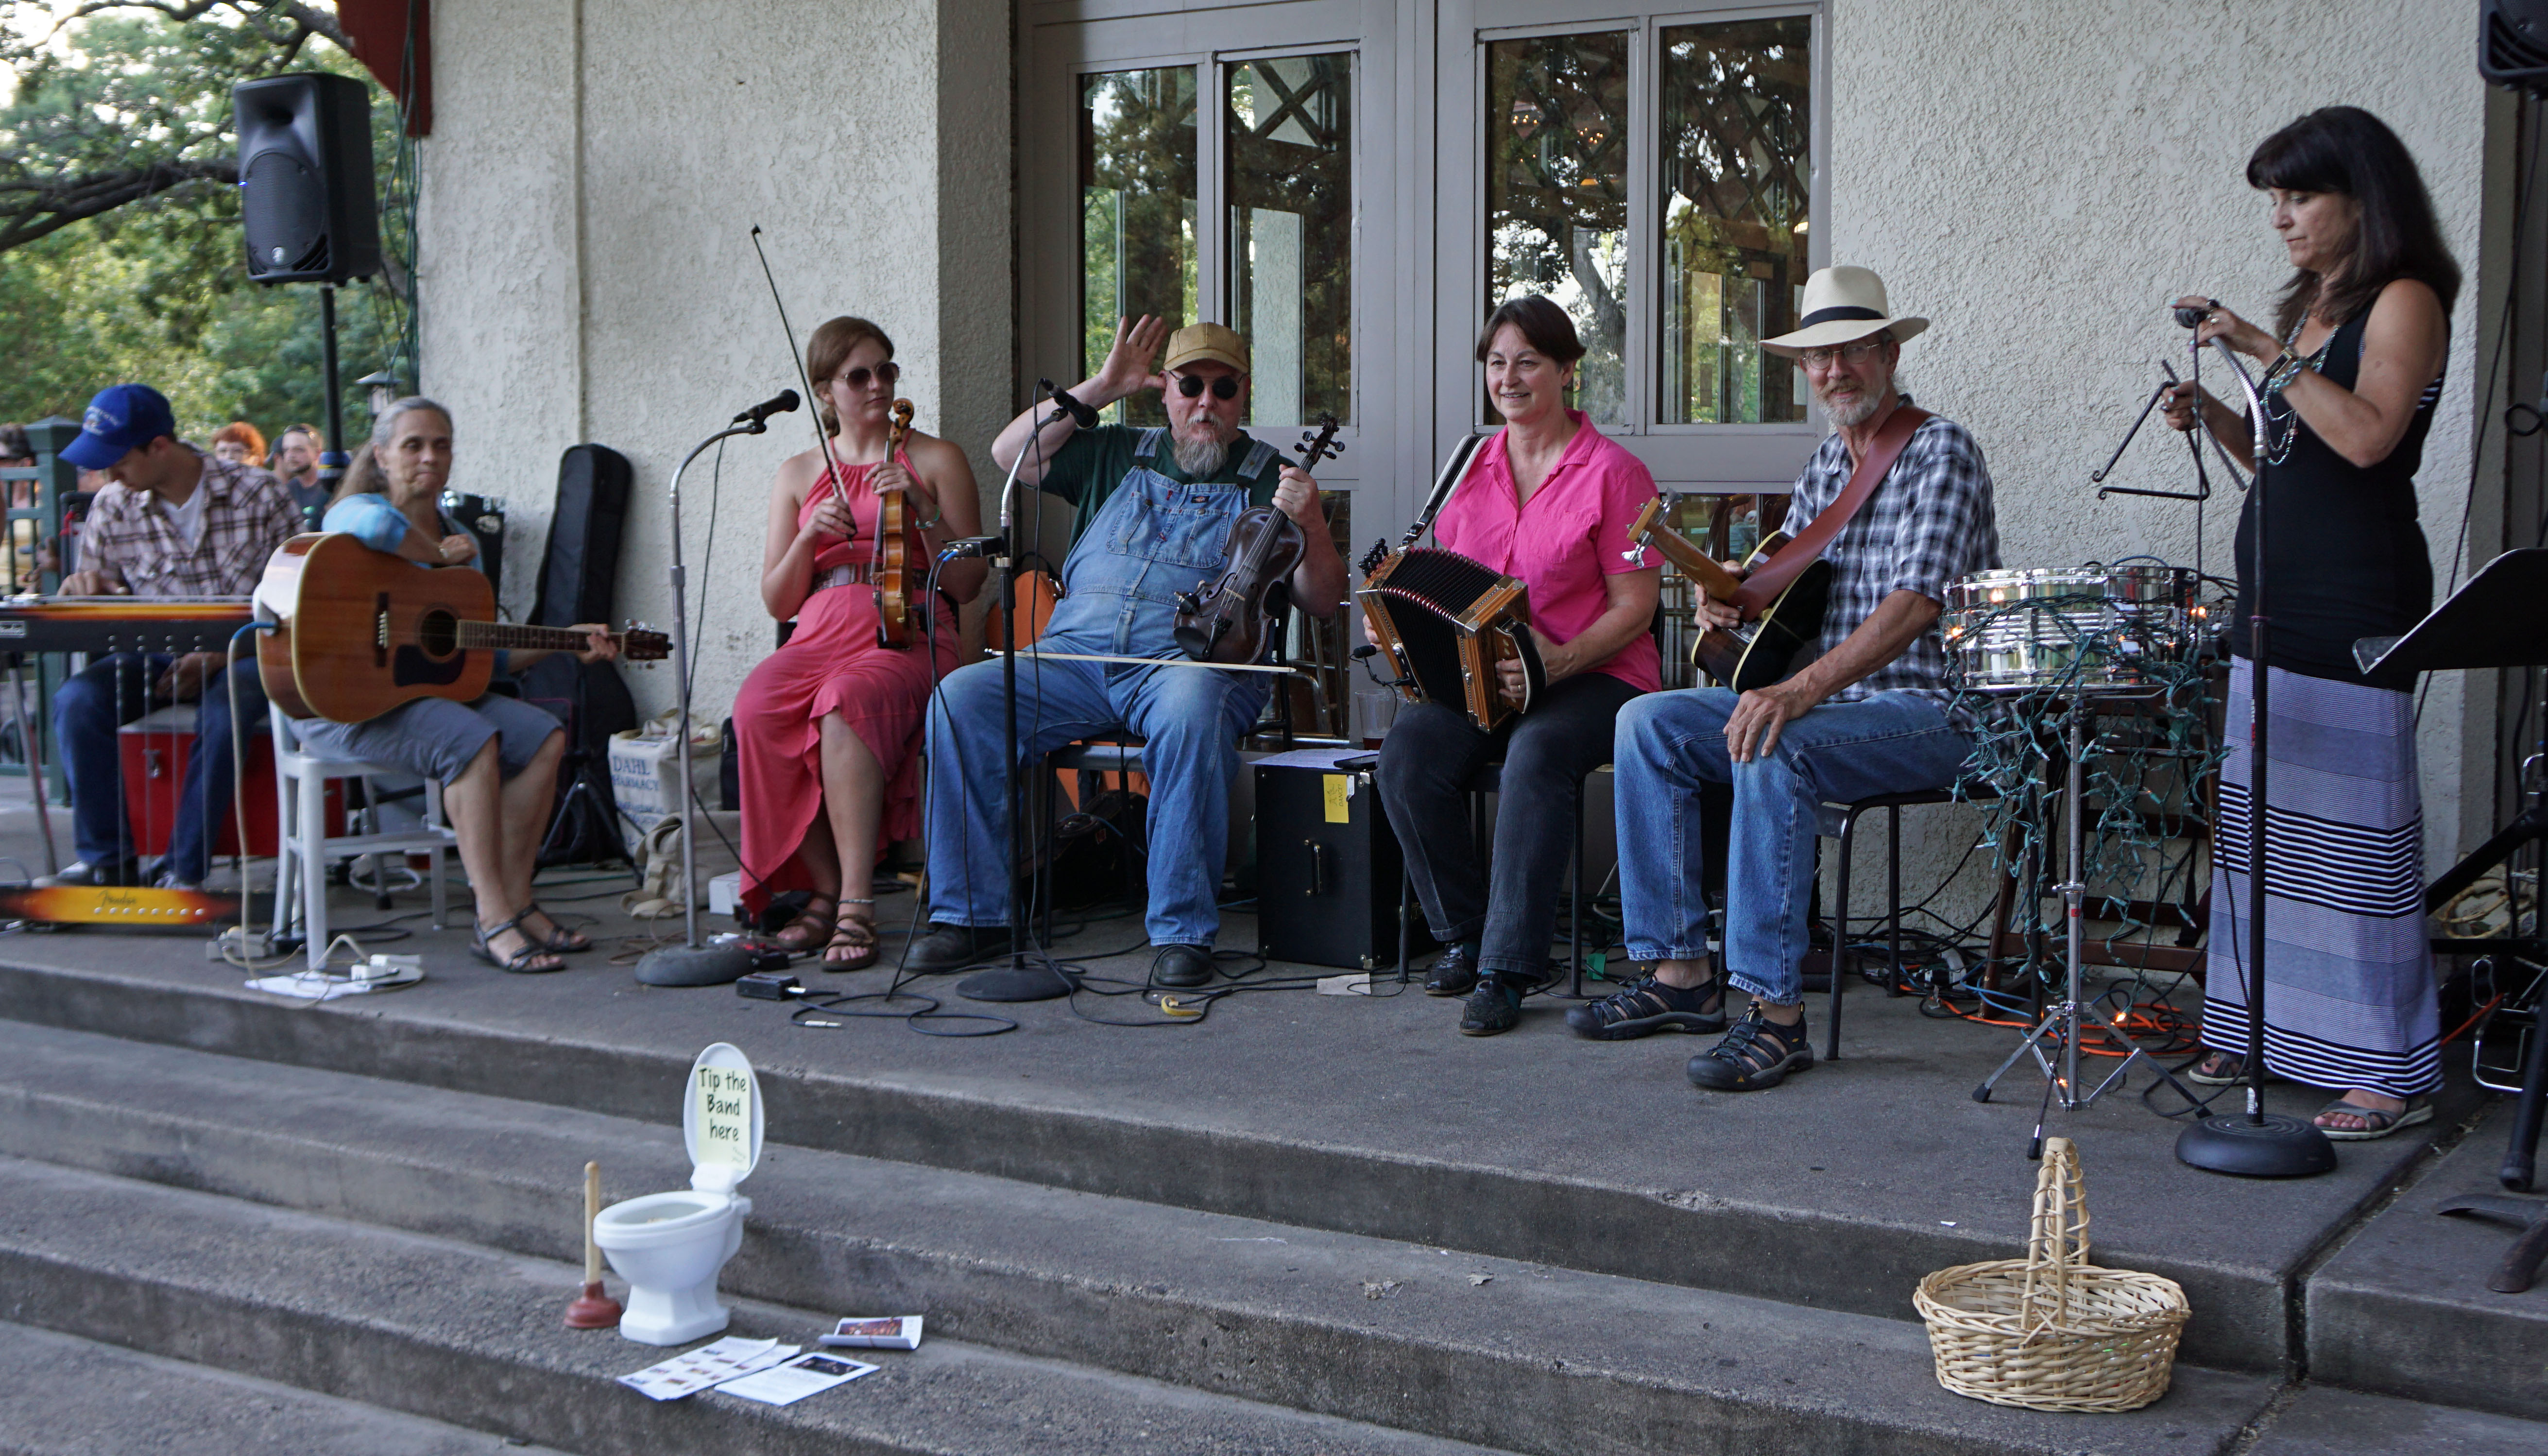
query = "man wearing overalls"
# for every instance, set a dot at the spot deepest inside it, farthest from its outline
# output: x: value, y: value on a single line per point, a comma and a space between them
x: 1154, y: 512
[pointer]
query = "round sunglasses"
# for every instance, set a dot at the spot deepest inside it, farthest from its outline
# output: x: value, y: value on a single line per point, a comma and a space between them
x: 1223, y: 385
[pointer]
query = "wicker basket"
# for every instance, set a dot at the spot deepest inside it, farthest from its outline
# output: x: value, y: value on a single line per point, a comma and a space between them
x: 2051, y: 1332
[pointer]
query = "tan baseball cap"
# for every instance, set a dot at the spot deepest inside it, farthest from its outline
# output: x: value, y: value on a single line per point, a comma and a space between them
x: 1197, y: 342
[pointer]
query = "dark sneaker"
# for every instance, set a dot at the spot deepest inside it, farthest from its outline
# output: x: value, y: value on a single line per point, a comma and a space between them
x: 1649, y: 1007
x: 955, y: 947
x: 1492, y: 1007
x: 81, y: 875
x: 1455, y: 971
x: 1755, y: 1057
x: 1181, y: 966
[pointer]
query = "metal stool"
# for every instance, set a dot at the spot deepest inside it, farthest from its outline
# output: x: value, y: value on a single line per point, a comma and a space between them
x: 1845, y: 830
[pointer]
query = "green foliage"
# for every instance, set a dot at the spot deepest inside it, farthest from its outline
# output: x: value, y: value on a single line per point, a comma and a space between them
x: 153, y: 287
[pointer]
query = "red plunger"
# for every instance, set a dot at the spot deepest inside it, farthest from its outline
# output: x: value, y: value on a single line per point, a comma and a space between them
x: 592, y: 1310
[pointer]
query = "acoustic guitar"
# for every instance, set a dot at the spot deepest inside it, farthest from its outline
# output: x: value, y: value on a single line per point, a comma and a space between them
x: 364, y: 631
x: 1756, y: 653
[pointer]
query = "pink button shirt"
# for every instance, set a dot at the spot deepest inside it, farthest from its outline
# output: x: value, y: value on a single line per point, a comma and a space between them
x: 1563, y: 542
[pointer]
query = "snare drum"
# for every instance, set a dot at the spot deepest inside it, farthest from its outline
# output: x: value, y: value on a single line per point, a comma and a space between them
x: 2091, y: 629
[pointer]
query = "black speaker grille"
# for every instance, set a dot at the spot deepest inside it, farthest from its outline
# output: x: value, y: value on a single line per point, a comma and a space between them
x: 285, y: 216
x: 2516, y: 45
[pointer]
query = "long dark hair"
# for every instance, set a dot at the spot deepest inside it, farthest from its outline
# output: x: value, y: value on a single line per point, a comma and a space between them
x: 2346, y: 149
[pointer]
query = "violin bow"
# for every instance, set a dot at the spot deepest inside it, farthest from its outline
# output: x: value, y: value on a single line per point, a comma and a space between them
x: 813, y: 401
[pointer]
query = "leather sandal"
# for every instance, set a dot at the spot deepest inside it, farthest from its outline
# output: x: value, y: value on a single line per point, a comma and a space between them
x: 521, y: 962
x: 2218, y: 1069
x: 1755, y: 1055
x: 1650, y: 1006
x: 817, y: 926
x: 853, y: 933
x: 2378, y: 1121
x: 559, y: 938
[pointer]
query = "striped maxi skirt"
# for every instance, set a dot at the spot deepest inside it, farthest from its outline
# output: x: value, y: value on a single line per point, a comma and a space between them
x: 2349, y: 970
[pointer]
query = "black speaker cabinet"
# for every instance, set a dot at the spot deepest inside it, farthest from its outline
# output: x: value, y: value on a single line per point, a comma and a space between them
x: 2512, y: 43
x: 582, y: 568
x: 1327, y: 869
x: 305, y: 150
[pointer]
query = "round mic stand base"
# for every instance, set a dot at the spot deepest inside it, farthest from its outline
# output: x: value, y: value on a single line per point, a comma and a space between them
x: 695, y: 966
x: 2270, y: 1146
x: 1016, y: 983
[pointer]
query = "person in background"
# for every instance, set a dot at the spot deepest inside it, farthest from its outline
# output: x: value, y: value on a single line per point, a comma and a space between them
x: 239, y: 443
x: 496, y: 757
x: 296, y: 464
x: 171, y: 521
x: 15, y: 452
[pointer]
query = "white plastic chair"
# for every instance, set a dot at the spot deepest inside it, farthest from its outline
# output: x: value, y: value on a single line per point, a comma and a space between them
x: 305, y: 848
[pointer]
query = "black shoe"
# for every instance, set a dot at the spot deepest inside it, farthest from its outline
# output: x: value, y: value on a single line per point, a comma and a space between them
x: 1755, y: 1055
x: 1492, y: 1007
x: 955, y: 947
x: 1649, y: 1007
x: 1181, y: 966
x: 81, y: 875
x: 1455, y: 971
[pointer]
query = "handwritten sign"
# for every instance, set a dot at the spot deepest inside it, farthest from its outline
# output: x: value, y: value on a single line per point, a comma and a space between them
x: 1339, y: 788
x: 724, y: 1096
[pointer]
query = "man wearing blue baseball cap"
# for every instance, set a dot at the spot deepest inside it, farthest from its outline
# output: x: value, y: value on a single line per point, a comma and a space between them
x: 172, y: 521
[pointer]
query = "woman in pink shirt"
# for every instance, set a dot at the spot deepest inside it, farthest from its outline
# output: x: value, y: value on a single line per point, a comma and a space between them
x: 1549, y: 501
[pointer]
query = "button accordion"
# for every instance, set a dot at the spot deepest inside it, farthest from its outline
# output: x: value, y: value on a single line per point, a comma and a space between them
x: 1445, y: 624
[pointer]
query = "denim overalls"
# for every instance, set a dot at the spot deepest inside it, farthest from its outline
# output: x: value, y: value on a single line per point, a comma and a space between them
x: 1154, y: 538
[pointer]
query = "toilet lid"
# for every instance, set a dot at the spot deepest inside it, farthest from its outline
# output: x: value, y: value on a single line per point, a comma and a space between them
x: 721, y: 1119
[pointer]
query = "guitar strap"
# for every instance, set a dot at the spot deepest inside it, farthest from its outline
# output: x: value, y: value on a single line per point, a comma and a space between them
x: 1455, y: 468
x: 1761, y: 589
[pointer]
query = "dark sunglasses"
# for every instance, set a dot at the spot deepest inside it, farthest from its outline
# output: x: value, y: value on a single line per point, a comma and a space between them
x: 885, y: 374
x: 1223, y: 385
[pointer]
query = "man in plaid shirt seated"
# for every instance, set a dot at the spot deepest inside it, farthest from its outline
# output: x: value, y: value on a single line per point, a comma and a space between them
x: 1870, y: 714
x: 173, y: 521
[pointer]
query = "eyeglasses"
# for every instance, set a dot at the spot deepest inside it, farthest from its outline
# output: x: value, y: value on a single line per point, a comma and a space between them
x: 1856, y: 354
x: 884, y: 374
x: 1223, y: 385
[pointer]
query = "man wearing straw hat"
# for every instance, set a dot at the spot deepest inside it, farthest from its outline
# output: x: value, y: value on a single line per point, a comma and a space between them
x: 1902, y: 503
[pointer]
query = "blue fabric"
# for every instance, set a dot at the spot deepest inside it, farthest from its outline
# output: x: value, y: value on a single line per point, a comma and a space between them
x: 88, y: 709
x: 370, y: 519
x: 436, y: 738
x: 1669, y: 744
x: 1154, y: 538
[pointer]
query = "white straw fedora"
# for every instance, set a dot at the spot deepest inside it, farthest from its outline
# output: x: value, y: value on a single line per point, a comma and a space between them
x: 1842, y: 304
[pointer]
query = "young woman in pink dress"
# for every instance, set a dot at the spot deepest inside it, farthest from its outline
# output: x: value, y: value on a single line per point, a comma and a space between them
x: 828, y: 728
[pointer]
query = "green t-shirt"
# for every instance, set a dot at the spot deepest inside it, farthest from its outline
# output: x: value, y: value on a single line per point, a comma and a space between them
x: 1092, y: 463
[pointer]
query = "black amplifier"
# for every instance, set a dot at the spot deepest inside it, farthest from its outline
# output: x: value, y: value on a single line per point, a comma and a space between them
x: 1328, y: 867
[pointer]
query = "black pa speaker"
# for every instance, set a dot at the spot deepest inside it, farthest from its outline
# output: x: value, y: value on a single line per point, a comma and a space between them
x: 304, y: 160
x: 2512, y: 43
x: 582, y: 566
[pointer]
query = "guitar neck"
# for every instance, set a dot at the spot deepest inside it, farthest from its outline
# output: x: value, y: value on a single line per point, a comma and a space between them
x: 516, y: 637
x: 1682, y: 552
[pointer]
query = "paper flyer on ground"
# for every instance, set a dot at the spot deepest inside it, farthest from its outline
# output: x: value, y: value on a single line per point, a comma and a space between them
x: 892, y: 1332
x: 707, y: 1366
x: 806, y: 1375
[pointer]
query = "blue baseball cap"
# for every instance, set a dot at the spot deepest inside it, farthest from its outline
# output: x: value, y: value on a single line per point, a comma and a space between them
x: 120, y: 419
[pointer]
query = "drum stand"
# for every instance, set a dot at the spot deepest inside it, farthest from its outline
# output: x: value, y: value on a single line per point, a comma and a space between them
x: 2070, y: 1019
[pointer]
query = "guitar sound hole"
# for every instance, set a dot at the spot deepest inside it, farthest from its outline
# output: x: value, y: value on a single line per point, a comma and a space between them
x: 438, y: 633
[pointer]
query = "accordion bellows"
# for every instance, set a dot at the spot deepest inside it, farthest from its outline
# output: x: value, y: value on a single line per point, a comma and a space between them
x: 1445, y: 622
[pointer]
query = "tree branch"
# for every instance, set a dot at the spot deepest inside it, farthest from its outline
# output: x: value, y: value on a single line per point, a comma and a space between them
x: 30, y: 211
x: 307, y: 20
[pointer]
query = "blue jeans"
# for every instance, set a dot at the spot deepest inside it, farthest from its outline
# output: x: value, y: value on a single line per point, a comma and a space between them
x: 1671, y: 744
x: 1192, y: 719
x: 89, y: 708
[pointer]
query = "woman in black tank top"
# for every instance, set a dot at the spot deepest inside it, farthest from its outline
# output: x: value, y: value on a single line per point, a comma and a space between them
x: 2352, y: 371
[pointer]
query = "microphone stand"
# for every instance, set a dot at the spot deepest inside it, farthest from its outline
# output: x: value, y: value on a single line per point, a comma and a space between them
x: 1017, y: 980
x: 692, y: 963
x: 2257, y: 1143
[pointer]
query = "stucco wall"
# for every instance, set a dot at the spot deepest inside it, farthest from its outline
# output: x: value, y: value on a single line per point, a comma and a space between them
x: 2039, y: 179
x: 612, y: 292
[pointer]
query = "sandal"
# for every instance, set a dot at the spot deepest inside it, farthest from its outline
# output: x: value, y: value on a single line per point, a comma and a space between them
x: 559, y: 937
x: 852, y: 933
x: 2378, y: 1121
x: 1650, y: 1006
x: 1755, y: 1055
x: 817, y: 925
x: 2218, y: 1069
x: 522, y: 962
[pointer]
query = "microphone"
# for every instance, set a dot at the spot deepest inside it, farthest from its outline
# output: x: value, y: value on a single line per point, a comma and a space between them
x: 784, y: 404
x: 2193, y: 318
x: 1079, y: 412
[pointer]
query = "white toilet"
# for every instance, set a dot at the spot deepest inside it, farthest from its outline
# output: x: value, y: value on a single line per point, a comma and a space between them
x: 668, y: 1247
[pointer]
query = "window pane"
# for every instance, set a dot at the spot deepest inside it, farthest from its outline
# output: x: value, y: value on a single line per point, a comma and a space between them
x: 1137, y: 210
x: 1557, y: 194
x: 1736, y: 121
x: 1291, y: 234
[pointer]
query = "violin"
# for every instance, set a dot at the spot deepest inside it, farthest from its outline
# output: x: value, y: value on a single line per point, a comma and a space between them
x: 893, y: 593
x: 1229, y: 618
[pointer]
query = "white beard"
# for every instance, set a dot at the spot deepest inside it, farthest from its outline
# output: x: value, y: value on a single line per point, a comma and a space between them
x: 1200, y: 457
x: 1859, y: 412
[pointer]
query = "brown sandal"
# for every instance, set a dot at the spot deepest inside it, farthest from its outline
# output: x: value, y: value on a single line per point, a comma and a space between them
x: 817, y: 925
x: 855, y: 933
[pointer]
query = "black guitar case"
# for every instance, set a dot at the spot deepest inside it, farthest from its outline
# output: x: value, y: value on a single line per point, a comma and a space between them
x: 578, y: 577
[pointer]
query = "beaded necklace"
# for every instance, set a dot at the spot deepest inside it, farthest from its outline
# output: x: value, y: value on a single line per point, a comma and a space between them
x: 2277, y: 411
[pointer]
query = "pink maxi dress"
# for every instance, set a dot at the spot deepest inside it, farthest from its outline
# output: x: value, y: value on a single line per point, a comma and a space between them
x: 833, y: 664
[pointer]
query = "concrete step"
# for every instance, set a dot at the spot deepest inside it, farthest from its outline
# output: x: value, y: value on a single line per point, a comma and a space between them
x: 450, y: 1333
x: 1360, y: 1117
x: 2321, y: 1421
x: 71, y: 1397
x: 1348, y: 1326
x: 2403, y: 1308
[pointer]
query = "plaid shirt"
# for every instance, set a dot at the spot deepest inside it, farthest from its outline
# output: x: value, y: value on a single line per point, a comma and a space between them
x: 1929, y: 522
x: 247, y: 513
